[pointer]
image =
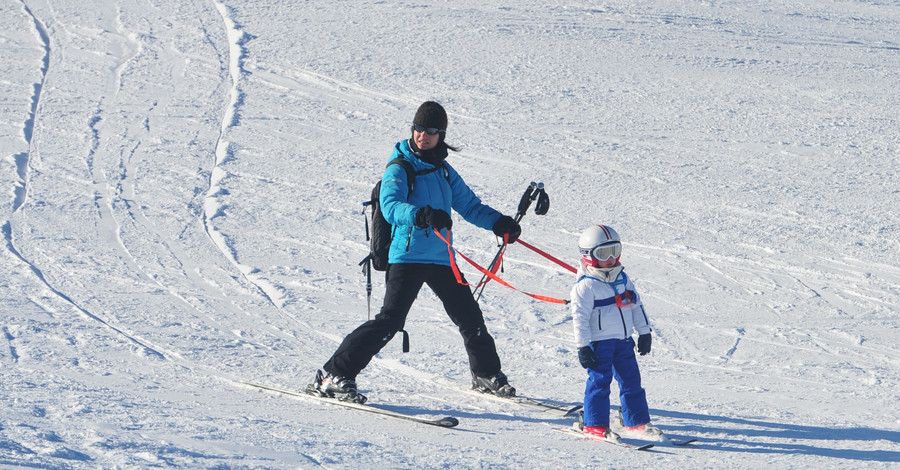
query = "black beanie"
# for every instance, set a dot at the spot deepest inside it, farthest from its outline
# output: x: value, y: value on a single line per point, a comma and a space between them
x: 431, y: 114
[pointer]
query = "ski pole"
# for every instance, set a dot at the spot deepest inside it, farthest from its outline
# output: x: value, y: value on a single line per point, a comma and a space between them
x: 367, y: 268
x: 530, y: 195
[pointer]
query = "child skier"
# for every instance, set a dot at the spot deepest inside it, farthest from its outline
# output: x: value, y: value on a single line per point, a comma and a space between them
x: 605, y: 309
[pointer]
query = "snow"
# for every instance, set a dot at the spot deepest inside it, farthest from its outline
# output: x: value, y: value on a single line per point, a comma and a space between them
x: 183, y: 183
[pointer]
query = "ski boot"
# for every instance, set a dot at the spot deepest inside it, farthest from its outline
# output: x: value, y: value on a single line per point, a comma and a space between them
x: 497, y: 384
x: 333, y: 386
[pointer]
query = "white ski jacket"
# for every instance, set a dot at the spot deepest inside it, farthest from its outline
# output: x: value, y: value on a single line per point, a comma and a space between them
x: 606, y: 310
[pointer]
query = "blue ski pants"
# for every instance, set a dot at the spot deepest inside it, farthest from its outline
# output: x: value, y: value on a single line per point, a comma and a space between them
x: 617, y: 361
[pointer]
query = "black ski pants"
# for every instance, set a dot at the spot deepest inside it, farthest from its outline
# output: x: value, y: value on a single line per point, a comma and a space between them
x: 403, y: 284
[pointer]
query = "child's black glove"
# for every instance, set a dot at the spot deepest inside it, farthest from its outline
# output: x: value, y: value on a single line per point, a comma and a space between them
x: 644, y: 341
x: 587, y: 358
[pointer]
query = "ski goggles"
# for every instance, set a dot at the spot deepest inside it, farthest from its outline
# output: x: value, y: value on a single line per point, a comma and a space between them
x: 607, y: 251
x: 428, y: 130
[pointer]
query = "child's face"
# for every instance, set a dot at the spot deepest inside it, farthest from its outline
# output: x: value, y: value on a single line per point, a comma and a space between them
x: 608, y: 263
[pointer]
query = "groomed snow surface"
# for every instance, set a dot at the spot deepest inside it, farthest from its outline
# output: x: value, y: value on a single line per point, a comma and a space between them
x: 183, y: 183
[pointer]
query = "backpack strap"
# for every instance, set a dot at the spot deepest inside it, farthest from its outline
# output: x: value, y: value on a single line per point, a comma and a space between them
x: 410, y: 174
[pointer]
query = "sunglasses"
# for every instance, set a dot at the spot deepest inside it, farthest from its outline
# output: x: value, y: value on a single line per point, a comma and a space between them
x: 428, y: 130
x: 607, y: 251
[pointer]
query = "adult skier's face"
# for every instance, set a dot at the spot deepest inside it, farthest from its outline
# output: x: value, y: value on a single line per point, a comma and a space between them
x: 425, y: 141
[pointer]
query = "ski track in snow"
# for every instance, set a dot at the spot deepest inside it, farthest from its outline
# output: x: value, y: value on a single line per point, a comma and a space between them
x: 21, y: 160
x: 791, y: 284
x: 110, y: 189
x: 40, y: 276
x: 224, y: 151
x: 21, y: 190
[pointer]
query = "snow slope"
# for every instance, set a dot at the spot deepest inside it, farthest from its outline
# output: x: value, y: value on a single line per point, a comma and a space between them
x: 183, y: 183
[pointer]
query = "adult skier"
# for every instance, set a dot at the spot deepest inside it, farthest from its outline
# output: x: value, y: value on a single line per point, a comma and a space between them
x: 417, y: 256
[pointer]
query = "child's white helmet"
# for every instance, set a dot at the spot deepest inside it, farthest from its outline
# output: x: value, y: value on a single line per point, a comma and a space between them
x: 600, y: 243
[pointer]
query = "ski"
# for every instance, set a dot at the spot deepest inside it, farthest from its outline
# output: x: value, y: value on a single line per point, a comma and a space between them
x: 555, y: 409
x: 682, y: 443
x: 618, y: 443
x: 658, y: 436
x: 445, y: 422
x: 561, y: 410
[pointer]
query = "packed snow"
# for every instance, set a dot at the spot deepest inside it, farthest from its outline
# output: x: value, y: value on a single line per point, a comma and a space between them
x: 182, y: 212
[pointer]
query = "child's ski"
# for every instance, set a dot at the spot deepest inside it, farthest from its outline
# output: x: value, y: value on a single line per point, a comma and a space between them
x: 683, y: 443
x: 618, y: 443
x: 446, y: 422
x: 655, y: 433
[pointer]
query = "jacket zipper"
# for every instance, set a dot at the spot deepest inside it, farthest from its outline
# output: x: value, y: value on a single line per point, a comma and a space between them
x: 622, y: 316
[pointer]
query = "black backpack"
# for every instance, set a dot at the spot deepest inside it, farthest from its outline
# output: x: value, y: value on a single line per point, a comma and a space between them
x: 379, y: 231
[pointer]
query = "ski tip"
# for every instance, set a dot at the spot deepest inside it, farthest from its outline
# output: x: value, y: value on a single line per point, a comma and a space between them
x: 448, y: 422
x: 684, y: 443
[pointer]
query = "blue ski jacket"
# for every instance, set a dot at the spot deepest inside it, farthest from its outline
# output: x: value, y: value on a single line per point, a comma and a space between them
x: 439, y: 189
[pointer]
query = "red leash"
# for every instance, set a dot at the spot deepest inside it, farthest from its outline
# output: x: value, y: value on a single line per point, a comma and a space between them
x: 498, y: 261
x: 451, y: 250
x: 546, y: 255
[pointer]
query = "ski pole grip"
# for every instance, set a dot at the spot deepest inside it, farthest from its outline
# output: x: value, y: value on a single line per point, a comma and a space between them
x: 525, y: 202
x: 543, y: 202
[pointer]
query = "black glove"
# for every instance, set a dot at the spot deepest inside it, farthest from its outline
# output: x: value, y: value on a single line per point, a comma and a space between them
x: 644, y: 341
x: 506, y: 224
x: 429, y: 217
x: 587, y: 358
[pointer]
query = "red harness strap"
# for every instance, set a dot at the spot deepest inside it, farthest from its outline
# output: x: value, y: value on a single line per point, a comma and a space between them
x: 498, y: 262
x: 546, y: 255
x: 451, y: 250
